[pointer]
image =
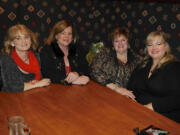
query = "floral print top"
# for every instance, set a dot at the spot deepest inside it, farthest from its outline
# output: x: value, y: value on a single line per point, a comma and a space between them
x: 106, y: 68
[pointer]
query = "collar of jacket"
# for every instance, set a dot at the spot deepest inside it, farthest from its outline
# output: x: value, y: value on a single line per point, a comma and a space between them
x: 58, y: 52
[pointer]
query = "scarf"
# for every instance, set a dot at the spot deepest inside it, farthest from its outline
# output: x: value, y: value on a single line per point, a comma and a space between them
x: 32, y: 67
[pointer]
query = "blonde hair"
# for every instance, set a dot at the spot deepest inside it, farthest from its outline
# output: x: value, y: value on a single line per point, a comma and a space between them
x: 168, y: 55
x: 13, y: 32
x: 58, y: 28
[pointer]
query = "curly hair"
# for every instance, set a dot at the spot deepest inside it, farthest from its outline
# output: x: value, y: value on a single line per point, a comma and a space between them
x: 13, y: 32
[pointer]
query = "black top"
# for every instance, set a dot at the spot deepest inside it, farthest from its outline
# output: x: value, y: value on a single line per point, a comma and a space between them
x: 162, y: 88
x: 53, y: 66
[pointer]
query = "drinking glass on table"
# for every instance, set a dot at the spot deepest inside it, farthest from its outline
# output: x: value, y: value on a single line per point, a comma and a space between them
x: 17, y: 126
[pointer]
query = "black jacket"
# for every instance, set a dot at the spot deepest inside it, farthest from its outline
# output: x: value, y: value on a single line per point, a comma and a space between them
x: 53, y: 66
x: 162, y: 88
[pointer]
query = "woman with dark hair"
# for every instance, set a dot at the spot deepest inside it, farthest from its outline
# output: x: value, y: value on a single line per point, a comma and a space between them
x: 20, y: 65
x: 156, y: 82
x: 112, y: 67
x: 59, y: 58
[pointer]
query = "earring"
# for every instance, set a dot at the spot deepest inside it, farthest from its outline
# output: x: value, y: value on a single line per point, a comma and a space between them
x: 12, y: 45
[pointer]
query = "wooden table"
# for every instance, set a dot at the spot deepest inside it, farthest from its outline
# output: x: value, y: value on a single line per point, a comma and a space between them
x: 79, y: 110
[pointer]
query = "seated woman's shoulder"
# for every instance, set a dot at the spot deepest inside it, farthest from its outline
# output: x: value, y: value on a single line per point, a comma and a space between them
x: 175, y: 63
x: 173, y: 66
x: 45, y: 48
x: 6, y: 61
x: 106, y: 50
x: 5, y: 58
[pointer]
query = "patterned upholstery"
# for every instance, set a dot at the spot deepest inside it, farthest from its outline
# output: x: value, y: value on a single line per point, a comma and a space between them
x: 95, y: 19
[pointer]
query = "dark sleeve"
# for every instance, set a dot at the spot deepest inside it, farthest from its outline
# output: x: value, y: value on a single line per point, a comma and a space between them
x: 98, y: 70
x: 48, y: 65
x: 83, y: 68
x: 130, y: 84
x: 82, y: 65
x: 172, y: 84
x: 11, y: 76
x: 135, y: 82
x: 45, y: 62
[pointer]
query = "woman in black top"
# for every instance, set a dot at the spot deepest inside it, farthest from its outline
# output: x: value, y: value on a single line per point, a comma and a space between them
x: 59, y: 58
x: 156, y: 83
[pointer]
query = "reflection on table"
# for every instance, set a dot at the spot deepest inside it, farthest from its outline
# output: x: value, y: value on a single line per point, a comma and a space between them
x: 79, y: 110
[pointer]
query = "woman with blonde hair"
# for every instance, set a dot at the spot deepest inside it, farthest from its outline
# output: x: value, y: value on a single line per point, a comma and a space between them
x: 60, y: 60
x: 156, y: 81
x: 20, y: 66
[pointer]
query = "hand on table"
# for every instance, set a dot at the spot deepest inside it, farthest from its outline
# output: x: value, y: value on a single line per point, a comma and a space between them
x: 71, y: 77
x: 43, y: 82
x: 35, y: 84
x: 82, y: 80
x: 125, y: 92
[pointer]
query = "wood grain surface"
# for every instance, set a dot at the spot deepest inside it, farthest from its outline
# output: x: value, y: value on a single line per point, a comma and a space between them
x: 79, y: 110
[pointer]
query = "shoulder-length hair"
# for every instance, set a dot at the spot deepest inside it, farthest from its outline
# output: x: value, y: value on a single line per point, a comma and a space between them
x: 58, y: 28
x: 13, y: 32
x: 168, y: 57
